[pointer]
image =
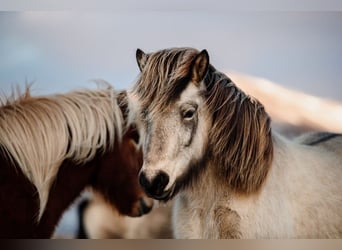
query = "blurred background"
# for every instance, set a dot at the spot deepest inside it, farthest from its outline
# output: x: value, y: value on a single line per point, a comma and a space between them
x: 63, y: 50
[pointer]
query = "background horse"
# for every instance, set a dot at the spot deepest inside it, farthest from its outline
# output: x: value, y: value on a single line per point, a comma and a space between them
x: 97, y: 220
x: 210, y: 143
x: 292, y: 111
x: 53, y: 147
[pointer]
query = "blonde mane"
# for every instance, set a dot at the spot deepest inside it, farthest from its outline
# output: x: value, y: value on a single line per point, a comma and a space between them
x: 39, y: 133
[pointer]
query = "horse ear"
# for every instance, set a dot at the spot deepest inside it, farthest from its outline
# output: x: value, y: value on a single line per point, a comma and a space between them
x: 141, y: 59
x: 200, y: 66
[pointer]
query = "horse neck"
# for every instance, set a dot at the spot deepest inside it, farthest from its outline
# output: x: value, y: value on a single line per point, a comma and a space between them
x: 208, y: 184
x: 70, y: 181
x: 73, y: 178
x: 68, y: 184
x: 17, y: 199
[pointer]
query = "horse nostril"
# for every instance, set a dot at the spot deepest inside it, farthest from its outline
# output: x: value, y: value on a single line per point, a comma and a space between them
x: 160, y: 182
x: 143, y: 181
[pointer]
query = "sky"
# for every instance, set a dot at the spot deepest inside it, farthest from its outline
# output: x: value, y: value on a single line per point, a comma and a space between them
x: 66, y: 50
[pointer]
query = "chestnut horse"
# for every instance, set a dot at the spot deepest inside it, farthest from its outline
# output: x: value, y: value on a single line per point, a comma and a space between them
x: 53, y: 147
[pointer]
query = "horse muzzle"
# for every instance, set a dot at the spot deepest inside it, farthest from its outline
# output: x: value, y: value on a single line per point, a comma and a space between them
x: 155, y: 187
x: 143, y: 206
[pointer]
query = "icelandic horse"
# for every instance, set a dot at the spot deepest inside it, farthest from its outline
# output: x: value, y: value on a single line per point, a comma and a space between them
x: 211, y: 146
x: 53, y: 147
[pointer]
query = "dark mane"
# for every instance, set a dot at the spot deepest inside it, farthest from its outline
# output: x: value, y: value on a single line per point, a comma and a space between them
x: 240, y: 143
x: 240, y: 138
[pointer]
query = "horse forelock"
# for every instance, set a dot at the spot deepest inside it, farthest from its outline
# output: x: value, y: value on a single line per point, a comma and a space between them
x: 165, y: 75
x: 240, y: 138
x: 39, y: 133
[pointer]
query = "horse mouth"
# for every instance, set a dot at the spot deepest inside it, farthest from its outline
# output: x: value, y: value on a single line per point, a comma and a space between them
x: 144, y: 208
x: 166, y: 195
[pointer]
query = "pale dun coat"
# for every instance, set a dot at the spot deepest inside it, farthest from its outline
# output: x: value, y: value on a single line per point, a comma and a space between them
x: 234, y: 178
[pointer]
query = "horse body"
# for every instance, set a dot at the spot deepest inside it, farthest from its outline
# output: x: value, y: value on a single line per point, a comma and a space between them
x: 211, y: 146
x: 84, y: 148
x: 302, y: 194
x: 299, y: 199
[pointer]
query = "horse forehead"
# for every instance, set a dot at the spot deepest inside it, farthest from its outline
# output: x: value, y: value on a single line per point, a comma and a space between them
x: 191, y: 92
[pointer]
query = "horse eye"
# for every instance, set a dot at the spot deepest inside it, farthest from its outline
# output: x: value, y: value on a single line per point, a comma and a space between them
x: 136, y: 137
x: 188, y: 114
x: 133, y: 134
